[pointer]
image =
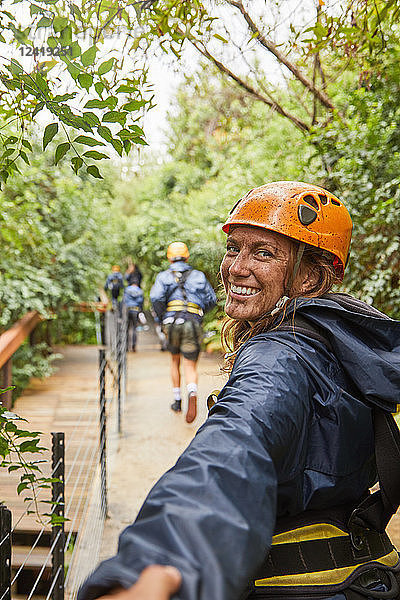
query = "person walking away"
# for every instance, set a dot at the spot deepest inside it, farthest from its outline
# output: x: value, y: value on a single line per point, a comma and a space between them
x: 133, y: 274
x: 133, y: 301
x: 272, y: 498
x: 114, y: 284
x: 180, y: 296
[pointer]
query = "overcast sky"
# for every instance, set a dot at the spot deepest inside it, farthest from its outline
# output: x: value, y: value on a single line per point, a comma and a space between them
x: 165, y: 72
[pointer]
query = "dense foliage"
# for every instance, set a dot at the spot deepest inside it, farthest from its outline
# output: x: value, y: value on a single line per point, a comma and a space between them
x: 363, y: 158
x: 60, y: 233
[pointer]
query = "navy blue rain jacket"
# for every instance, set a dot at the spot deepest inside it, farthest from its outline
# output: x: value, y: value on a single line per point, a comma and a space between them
x: 291, y: 430
x: 133, y: 296
x: 165, y: 289
x: 114, y: 281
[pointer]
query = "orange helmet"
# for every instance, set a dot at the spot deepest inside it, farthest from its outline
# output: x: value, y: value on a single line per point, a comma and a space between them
x: 301, y: 211
x: 177, y: 251
x: 115, y: 268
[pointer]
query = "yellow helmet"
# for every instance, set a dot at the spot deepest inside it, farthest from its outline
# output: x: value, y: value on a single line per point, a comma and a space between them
x: 177, y: 251
x: 115, y: 268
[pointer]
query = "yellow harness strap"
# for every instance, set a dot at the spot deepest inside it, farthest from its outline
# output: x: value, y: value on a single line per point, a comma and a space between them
x: 180, y: 305
x: 320, y: 555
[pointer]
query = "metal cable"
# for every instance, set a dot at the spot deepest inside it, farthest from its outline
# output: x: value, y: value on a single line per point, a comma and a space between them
x: 53, y: 583
x: 73, y: 520
x: 44, y: 565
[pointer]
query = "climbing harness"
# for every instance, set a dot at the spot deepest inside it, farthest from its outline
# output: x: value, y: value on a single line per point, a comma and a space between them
x: 180, y: 306
x: 342, y: 549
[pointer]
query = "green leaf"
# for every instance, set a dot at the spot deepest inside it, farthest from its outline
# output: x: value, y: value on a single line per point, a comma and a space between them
x: 99, y: 87
x: 8, y: 152
x: 75, y: 50
x: 117, y: 146
x: 95, y: 154
x: 85, y: 80
x: 77, y: 162
x: 15, y: 68
x: 59, y: 23
x: 96, y: 104
x: 127, y: 89
x: 106, y: 66
x: 73, y: 70
x: 44, y: 22
x: 136, y: 129
x: 64, y: 97
x: 114, y: 116
x: 94, y: 172
x: 27, y: 144
x: 49, y: 133
x: 88, y: 57
x: 133, y: 105
x: 21, y: 487
x: 88, y: 141
x: 24, y: 157
x: 66, y: 36
x: 34, y: 9
x: 105, y: 133
x: 92, y: 119
x: 52, y: 41
x: 61, y: 151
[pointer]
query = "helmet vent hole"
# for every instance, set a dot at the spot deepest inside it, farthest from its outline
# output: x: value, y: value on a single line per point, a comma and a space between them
x: 312, y: 201
x: 335, y: 202
x: 306, y: 215
x: 323, y: 198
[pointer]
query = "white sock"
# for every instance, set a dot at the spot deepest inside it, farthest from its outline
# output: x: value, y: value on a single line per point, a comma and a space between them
x: 177, y: 393
x: 192, y: 388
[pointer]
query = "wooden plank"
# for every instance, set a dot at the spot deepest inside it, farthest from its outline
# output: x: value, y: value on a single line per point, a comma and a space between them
x: 67, y: 401
x: 11, y: 339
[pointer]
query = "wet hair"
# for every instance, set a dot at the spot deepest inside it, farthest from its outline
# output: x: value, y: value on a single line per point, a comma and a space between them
x: 315, y: 261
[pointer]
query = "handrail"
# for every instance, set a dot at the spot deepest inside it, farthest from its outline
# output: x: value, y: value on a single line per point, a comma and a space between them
x: 12, y: 339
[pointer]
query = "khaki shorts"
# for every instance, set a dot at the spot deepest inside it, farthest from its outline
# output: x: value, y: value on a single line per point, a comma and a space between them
x: 184, y: 338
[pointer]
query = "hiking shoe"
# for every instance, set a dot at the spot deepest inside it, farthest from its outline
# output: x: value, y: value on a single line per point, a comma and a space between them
x: 192, y: 408
x: 176, y: 406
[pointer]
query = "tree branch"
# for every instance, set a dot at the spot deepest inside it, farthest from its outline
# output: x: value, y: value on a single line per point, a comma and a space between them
x: 252, y: 91
x: 282, y: 58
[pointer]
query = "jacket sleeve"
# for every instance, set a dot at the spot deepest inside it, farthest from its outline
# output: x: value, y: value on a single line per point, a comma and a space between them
x: 158, y: 297
x: 213, y: 514
x: 210, y: 298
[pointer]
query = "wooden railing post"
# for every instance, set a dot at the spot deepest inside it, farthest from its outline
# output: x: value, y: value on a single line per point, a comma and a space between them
x: 5, y: 553
x: 57, y: 530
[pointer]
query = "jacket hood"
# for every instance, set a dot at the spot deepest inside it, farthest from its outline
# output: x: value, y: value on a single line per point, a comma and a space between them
x: 179, y: 265
x: 365, y: 342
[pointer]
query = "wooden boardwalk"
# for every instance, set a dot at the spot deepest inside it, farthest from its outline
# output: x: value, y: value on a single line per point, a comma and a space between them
x: 67, y: 401
x: 152, y: 437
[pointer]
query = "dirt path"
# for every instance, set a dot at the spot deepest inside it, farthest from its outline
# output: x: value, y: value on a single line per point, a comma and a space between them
x: 152, y: 435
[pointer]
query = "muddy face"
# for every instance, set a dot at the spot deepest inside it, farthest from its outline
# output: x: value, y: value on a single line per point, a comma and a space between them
x: 254, y: 271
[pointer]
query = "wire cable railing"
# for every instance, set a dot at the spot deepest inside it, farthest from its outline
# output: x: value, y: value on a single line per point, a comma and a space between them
x: 83, y: 480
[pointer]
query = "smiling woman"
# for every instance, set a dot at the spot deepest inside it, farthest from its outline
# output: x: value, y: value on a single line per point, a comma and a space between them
x: 278, y: 248
x: 271, y: 499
